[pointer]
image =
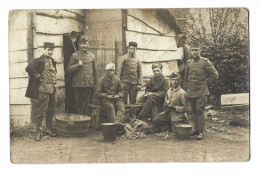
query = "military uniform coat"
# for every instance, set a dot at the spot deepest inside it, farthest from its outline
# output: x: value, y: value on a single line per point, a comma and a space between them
x: 198, y: 74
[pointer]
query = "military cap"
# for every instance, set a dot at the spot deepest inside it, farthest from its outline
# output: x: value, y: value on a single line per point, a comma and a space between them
x: 195, y: 46
x: 174, y: 75
x: 132, y: 44
x: 110, y: 66
x: 48, y: 45
x: 155, y: 65
x: 83, y: 40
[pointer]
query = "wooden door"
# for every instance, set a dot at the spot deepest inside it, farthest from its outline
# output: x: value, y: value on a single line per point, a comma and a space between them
x: 103, y: 47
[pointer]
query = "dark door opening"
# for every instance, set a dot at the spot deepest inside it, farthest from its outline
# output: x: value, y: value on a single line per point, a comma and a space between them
x: 68, y: 50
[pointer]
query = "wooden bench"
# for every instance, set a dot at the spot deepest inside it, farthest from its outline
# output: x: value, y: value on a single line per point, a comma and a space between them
x: 97, y: 108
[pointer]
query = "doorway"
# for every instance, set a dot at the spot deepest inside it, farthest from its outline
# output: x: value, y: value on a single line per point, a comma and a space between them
x: 68, y: 50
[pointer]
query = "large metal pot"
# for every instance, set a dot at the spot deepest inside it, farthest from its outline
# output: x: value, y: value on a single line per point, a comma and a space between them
x: 183, y: 131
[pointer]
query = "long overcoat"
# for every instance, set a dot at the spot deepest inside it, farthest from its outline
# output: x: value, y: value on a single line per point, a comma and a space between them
x: 33, y: 69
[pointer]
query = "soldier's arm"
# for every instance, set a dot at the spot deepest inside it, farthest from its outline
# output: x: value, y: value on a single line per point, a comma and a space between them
x: 165, y: 88
x: 99, y: 89
x: 139, y: 72
x: 148, y: 86
x: 95, y: 71
x: 185, y: 80
x: 211, y: 72
x: 120, y: 67
x: 31, y: 69
x: 73, y: 64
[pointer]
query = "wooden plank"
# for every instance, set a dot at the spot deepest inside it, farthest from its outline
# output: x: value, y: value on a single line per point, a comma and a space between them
x: 17, y: 96
x: 56, y: 39
x: 57, y: 26
x: 60, y: 72
x: 18, y: 83
x: 17, y: 40
x: 152, y: 20
x: 103, y: 42
x: 81, y: 12
x: 153, y: 56
x: 168, y: 68
x: 61, y: 83
x: 18, y: 56
x: 20, y: 121
x: 58, y: 13
x: 17, y: 70
x: 20, y: 110
x: 102, y: 16
x: 17, y: 20
x: 151, y: 42
x: 57, y: 54
x: 134, y: 24
x: 235, y: 99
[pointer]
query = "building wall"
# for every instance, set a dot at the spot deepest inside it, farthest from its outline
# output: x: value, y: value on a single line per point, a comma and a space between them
x: 18, y: 79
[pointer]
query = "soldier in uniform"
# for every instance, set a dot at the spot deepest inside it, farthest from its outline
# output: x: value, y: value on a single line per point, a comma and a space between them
x: 84, y: 72
x: 175, y: 105
x: 199, y: 72
x: 130, y: 73
x: 111, y: 92
x: 155, y: 92
x: 42, y: 87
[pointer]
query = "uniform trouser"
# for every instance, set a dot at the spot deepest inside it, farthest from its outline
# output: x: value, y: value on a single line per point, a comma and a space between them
x: 83, y: 97
x: 171, y: 118
x: 150, y: 106
x: 131, y: 90
x: 113, y: 105
x: 198, y: 105
x: 45, y: 104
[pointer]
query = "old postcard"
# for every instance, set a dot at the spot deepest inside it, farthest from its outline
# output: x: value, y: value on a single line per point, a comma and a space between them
x: 129, y: 85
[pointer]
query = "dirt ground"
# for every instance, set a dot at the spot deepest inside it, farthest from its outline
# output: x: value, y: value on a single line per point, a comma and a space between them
x: 221, y: 142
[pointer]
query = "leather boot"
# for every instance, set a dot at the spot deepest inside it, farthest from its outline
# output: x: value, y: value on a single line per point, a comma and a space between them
x: 50, y: 132
x: 38, y: 135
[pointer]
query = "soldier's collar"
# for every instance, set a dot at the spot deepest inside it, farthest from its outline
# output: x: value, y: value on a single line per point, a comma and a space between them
x: 131, y: 56
x: 176, y: 89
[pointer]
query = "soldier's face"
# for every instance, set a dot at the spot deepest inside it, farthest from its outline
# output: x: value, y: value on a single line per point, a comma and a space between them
x: 175, y: 82
x: 111, y: 73
x: 132, y: 50
x: 48, y: 51
x: 157, y: 71
x: 83, y: 46
x: 195, y: 53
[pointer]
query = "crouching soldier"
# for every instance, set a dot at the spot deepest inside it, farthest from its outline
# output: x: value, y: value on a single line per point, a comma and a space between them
x: 175, y: 105
x: 111, y: 92
x: 42, y: 86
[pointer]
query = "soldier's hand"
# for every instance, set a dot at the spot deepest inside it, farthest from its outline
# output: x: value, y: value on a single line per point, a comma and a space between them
x: 110, y: 96
x: 139, y: 87
x: 116, y: 96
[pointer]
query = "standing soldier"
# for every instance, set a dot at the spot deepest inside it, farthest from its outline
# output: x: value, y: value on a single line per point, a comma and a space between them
x: 199, y: 72
x: 42, y: 86
x: 84, y: 71
x: 130, y: 73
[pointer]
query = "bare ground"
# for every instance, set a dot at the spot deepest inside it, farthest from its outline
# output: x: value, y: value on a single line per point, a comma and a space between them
x: 221, y: 142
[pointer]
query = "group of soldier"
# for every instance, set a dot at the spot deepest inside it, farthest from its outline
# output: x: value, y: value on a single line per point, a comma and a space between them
x: 165, y: 102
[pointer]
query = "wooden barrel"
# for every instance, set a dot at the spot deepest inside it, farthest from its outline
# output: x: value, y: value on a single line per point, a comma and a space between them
x: 69, y: 124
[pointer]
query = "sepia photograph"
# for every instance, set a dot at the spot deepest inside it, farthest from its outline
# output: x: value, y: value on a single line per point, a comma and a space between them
x: 133, y: 85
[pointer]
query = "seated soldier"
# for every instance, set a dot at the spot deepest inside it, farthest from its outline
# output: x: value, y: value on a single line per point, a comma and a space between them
x: 174, y: 106
x: 155, y: 92
x: 110, y: 91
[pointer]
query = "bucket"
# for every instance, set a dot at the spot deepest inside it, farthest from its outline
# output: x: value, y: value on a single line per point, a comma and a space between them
x: 109, y: 131
x: 183, y: 131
